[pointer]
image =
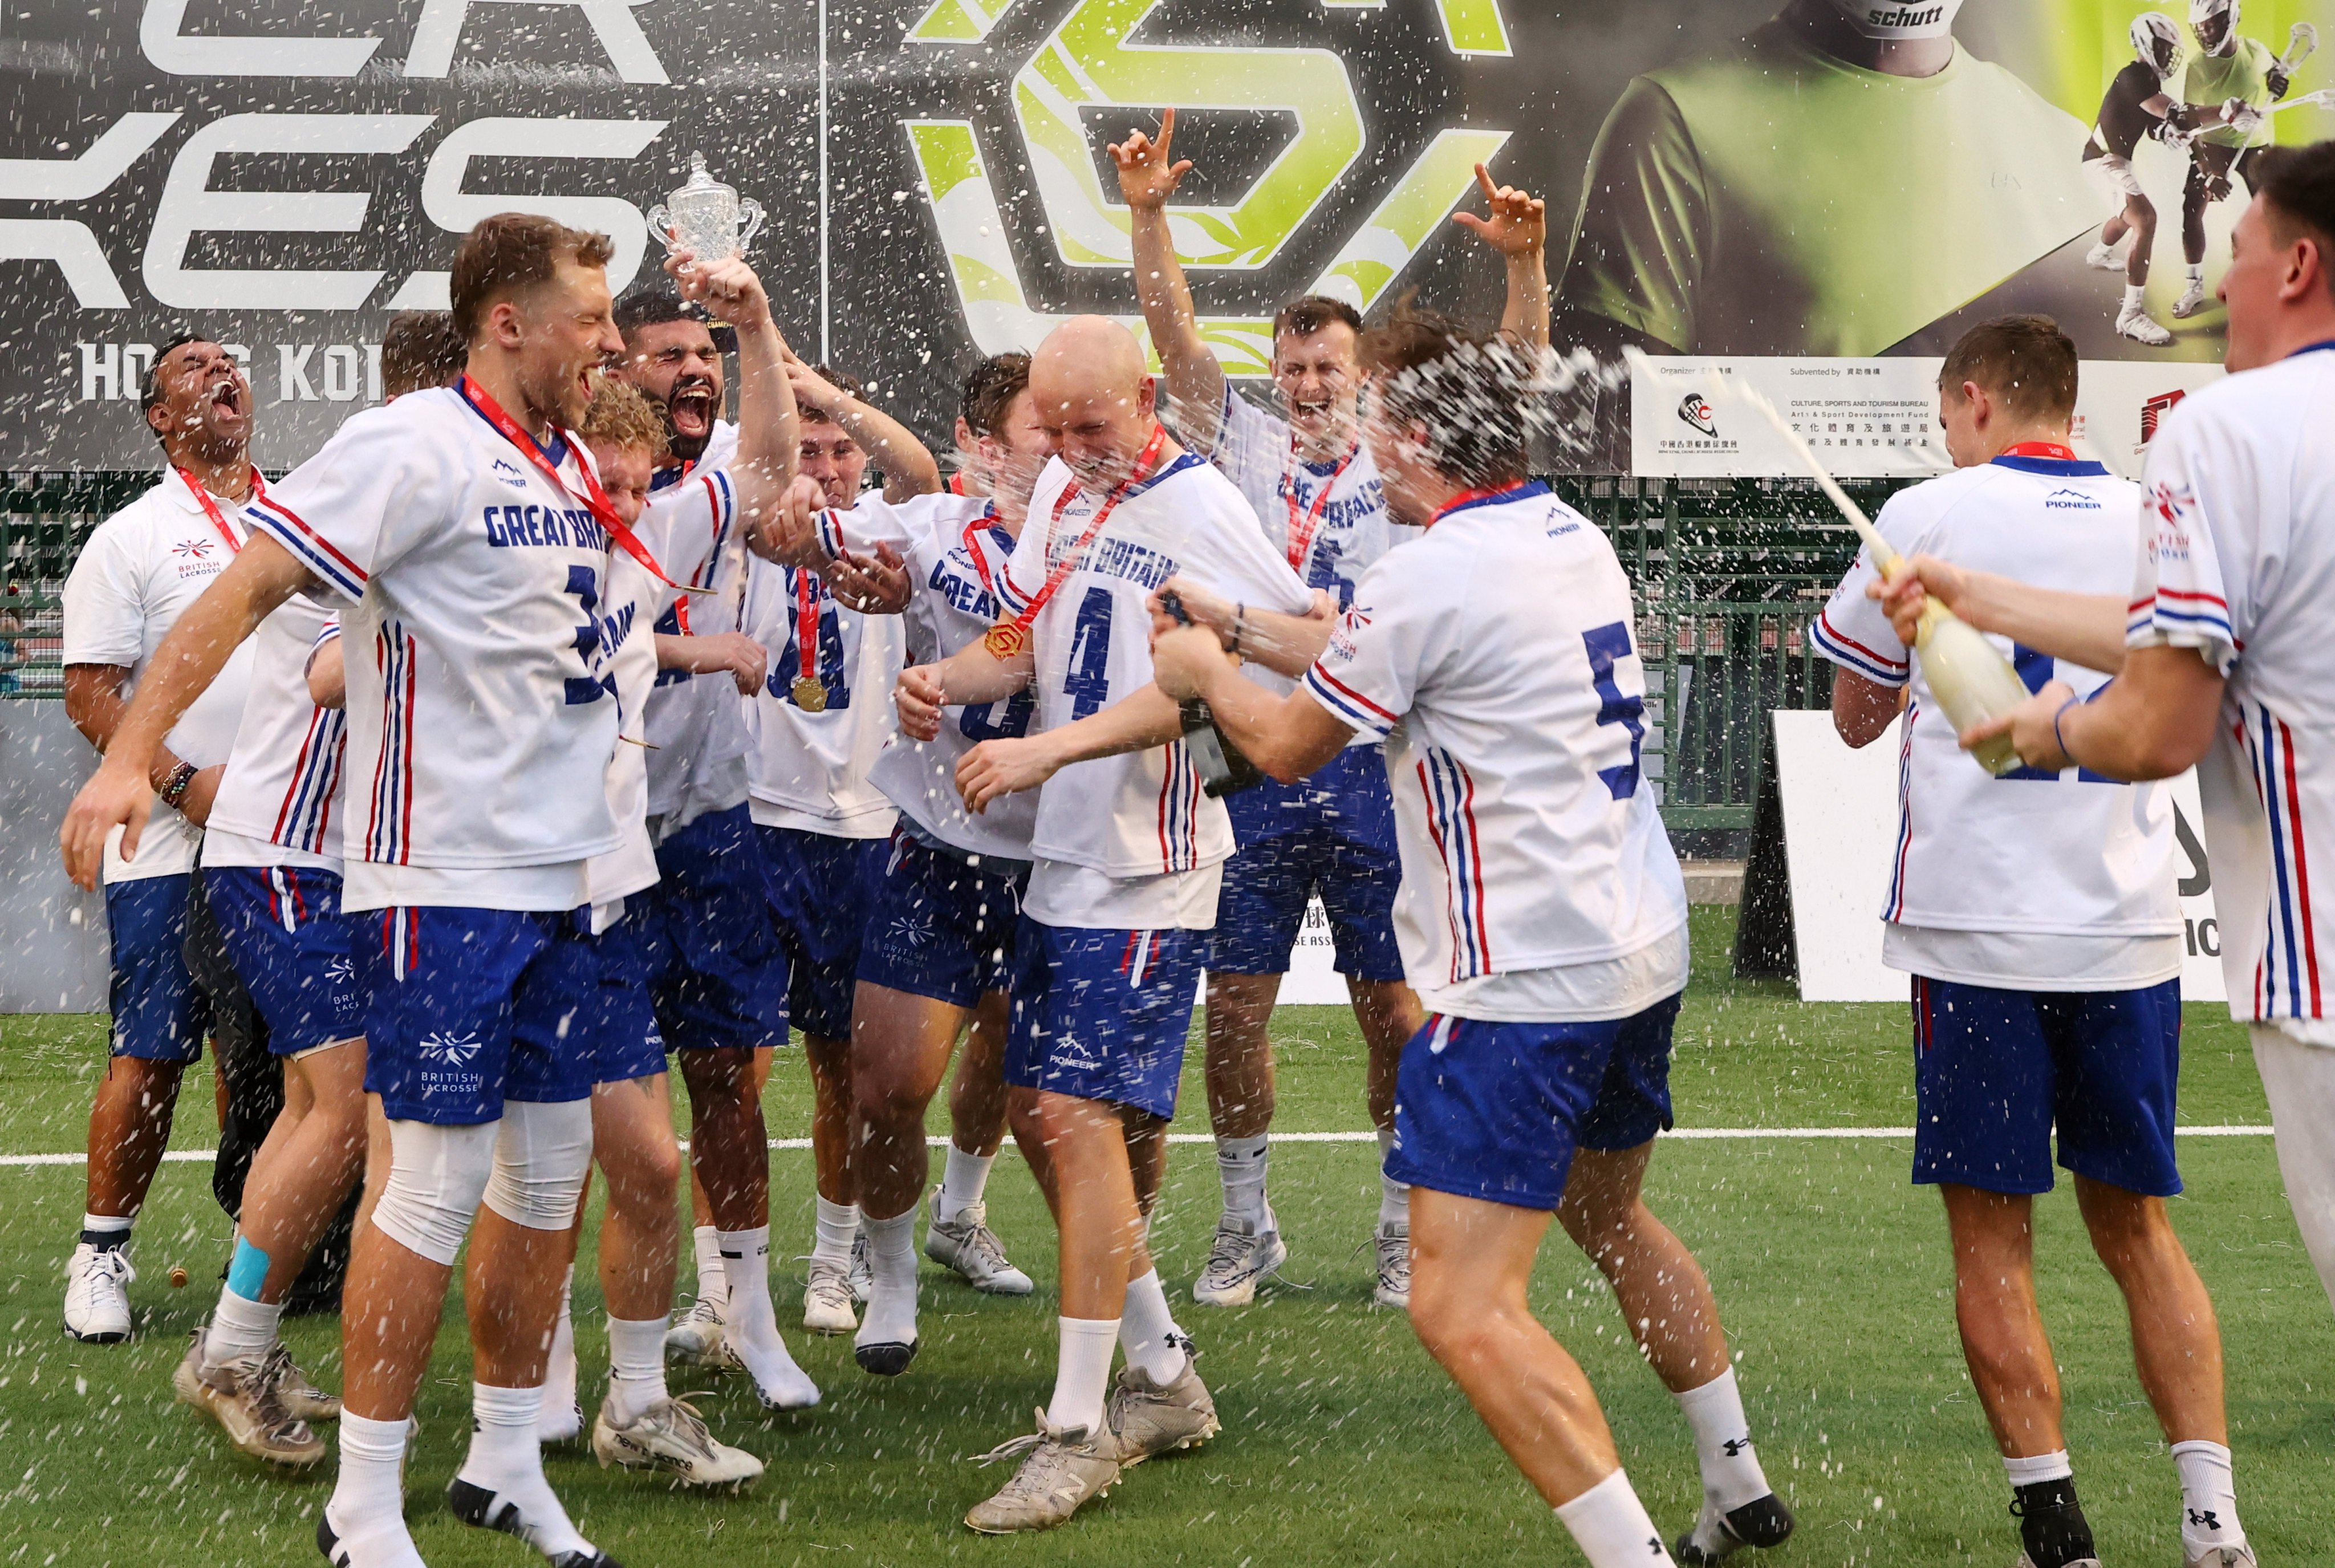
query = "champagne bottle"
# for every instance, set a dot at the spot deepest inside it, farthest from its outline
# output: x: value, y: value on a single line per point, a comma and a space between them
x: 1973, y: 682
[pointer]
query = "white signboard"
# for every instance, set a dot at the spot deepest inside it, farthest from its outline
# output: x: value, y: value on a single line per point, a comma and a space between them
x: 1840, y: 819
x: 1863, y: 418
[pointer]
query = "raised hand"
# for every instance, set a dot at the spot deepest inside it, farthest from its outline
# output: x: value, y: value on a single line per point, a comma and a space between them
x: 787, y: 533
x: 1518, y: 224
x: 1147, y: 174
x: 814, y: 394
x: 875, y: 584
x: 730, y: 290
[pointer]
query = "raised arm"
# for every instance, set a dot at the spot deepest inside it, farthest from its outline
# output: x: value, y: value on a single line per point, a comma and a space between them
x: 1148, y: 177
x: 260, y: 578
x: 2085, y: 629
x: 770, y: 438
x: 1288, y: 737
x: 1286, y: 643
x: 1518, y: 229
x: 908, y: 468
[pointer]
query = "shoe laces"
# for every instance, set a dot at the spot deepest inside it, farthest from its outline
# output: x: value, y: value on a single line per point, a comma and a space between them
x: 827, y: 1279
x: 1230, y: 1250
x: 981, y: 1240
x: 1029, y: 1442
x: 111, y: 1265
x: 681, y: 1420
x: 261, y: 1381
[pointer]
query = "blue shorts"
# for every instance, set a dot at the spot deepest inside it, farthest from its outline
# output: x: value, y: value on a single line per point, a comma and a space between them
x: 160, y: 1014
x: 941, y: 924
x: 292, y: 948
x: 467, y: 1008
x: 1495, y: 1110
x: 616, y: 1031
x: 705, y: 946
x: 1103, y: 1015
x: 818, y: 895
x: 1266, y: 888
x: 1994, y: 1069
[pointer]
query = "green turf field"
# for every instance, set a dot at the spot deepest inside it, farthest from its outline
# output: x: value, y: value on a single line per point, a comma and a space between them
x: 1342, y: 1442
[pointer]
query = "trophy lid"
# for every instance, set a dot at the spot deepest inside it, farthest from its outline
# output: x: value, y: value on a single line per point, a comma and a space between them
x: 701, y: 182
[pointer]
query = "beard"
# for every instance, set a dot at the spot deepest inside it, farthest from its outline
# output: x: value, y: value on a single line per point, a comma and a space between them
x: 688, y: 445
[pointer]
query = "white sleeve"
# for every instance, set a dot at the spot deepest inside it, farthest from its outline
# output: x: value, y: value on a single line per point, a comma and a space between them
x: 104, y: 604
x: 1252, y: 446
x: 365, y: 498
x: 1231, y: 555
x: 2179, y: 598
x: 686, y: 528
x: 1388, y: 646
x: 1853, y: 631
x: 874, y: 521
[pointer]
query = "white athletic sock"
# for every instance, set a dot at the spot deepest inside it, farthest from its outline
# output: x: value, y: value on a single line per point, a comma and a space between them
x: 558, y: 1419
x: 752, y: 1323
x: 636, y: 1366
x: 1240, y: 1166
x: 964, y: 1178
x: 367, y: 1508
x: 2197, y: 273
x: 2036, y: 1468
x: 505, y: 1459
x: 712, y: 1282
x: 891, y: 1315
x: 1147, y: 1331
x: 2135, y: 296
x: 2209, y: 1497
x: 1613, y: 1528
x: 1732, y: 1475
x: 838, y: 1226
x: 105, y: 1232
x: 1394, y: 1197
x: 1083, y: 1373
x: 239, y: 1329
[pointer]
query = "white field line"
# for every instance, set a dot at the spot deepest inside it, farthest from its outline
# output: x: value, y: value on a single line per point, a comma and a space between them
x: 1729, y: 1134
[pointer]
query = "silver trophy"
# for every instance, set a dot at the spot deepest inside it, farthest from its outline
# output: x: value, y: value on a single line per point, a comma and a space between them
x: 703, y: 216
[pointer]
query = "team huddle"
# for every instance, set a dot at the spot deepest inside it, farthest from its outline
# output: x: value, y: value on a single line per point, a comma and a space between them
x: 545, y: 726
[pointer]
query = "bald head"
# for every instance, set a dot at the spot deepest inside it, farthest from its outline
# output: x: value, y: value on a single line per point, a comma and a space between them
x: 1092, y: 393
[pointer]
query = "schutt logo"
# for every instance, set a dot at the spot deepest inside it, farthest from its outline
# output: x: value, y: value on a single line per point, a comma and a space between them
x: 2153, y: 412
x: 1694, y: 410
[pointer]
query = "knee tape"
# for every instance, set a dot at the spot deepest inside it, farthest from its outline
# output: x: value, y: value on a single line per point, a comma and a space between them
x: 541, y: 1157
x: 436, y: 1175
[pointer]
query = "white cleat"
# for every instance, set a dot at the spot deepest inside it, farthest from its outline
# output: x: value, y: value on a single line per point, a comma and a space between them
x: 2241, y: 1555
x: 2105, y: 257
x: 827, y: 1299
x: 1237, y: 1260
x: 2144, y: 328
x: 967, y: 1245
x: 671, y: 1437
x: 2193, y: 300
x: 97, y: 1295
x: 1392, y: 1243
x: 696, y: 1338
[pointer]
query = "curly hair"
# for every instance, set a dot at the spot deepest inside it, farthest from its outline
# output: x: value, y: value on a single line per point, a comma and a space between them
x: 621, y: 417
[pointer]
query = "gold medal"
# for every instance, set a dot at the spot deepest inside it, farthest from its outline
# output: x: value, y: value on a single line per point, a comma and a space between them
x: 810, y: 694
x: 1006, y: 639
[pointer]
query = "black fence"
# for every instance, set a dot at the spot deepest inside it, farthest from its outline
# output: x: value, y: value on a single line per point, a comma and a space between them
x: 1729, y: 574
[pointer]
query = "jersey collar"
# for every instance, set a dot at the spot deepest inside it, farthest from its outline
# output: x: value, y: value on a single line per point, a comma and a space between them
x: 2321, y: 346
x: 2056, y: 467
x: 1468, y: 501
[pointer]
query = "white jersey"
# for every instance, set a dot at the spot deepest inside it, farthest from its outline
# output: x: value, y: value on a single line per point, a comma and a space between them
x: 1143, y: 814
x: 2074, y: 863
x: 809, y: 770
x: 140, y: 569
x: 479, y: 723
x: 1351, y: 527
x: 1494, y: 657
x: 280, y: 801
x: 956, y: 551
x: 696, y: 722
x: 626, y: 656
x: 2238, y: 530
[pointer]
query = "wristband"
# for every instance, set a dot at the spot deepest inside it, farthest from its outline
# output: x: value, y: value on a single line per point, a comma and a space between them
x: 2057, y: 739
x: 174, y: 788
x: 1240, y: 627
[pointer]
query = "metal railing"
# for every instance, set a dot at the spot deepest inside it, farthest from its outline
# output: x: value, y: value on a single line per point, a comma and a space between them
x: 1729, y: 573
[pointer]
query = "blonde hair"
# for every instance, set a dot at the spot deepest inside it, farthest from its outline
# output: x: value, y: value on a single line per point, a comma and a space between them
x: 621, y: 417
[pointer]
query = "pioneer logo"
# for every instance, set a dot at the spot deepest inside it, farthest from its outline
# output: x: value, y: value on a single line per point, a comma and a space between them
x: 2153, y: 411
x: 1695, y: 410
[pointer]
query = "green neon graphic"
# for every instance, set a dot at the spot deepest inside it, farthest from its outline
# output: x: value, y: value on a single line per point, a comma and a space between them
x: 1088, y: 61
x: 958, y: 21
x: 1474, y: 26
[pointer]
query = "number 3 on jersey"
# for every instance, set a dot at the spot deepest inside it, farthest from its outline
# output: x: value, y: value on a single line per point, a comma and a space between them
x: 1087, y: 681
x: 1607, y: 647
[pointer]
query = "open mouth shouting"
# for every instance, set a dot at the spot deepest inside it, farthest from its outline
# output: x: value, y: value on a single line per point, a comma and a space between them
x: 690, y: 407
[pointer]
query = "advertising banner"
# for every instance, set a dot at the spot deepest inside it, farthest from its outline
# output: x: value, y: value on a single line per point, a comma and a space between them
x: 1757, y: 179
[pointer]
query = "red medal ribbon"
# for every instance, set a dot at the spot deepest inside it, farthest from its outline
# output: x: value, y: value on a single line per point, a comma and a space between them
x: 595, y: 499
x: 2040, y: 450
x: 807, y: 623
x: 1469, y: 497
x: 973, y: 548
x: 1020, y: 626
x: 1301, y: 534
x: 211, y: 509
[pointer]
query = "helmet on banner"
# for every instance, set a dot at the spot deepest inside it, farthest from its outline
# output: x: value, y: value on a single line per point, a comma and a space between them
x: 2215, y: 23
x: 2156, y: 41
x: 1900, y: 19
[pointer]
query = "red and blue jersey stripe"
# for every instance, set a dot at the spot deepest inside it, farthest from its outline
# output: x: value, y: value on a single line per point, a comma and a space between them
x: 1894, y: 909
x: 1450, y: 795
x: 1870, y: 663
x: 2286, y: 978
x: 313, y: 550
x: 306, y: 815
x: 1179, y: 811
x: 1345, y: 704
x: 389, y: 828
